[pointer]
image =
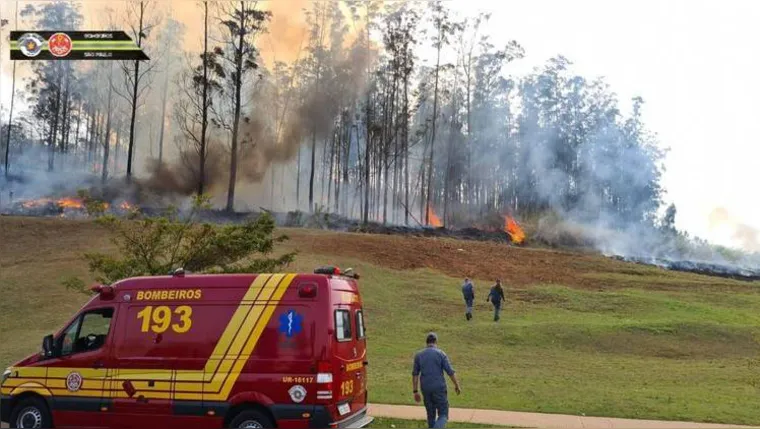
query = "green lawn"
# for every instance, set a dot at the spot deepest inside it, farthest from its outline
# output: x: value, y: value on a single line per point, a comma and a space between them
x: 653, y: 344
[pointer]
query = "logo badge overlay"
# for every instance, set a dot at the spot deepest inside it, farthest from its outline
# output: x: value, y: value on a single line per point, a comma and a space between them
x: 60, y: 44
x: 291, y: 323
x: 30, y: 44
x: 297, y: 393
x: 74, y: 382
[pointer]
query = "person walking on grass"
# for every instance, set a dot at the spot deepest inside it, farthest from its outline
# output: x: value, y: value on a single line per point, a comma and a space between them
x: 496, y: 297
x: 468, y: 292
x: 429, y: 365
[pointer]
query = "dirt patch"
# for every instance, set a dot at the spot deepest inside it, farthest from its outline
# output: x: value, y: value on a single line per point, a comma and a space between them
x: 516, y: 266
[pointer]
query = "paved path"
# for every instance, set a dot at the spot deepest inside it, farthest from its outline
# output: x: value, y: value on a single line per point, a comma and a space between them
x: 535, y: 420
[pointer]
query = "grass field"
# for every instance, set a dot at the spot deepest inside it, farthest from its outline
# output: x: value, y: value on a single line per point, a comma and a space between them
x: 581, y: 334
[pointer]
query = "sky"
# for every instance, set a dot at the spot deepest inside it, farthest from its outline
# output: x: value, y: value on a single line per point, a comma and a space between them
x: 694, y: 62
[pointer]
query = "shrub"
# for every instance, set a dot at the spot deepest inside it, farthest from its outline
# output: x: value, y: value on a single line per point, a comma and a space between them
x: 159, y: 245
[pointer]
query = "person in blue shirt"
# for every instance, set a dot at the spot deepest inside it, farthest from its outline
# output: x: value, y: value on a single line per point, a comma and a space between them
x: 496, y: 297
x: 468, y: 292
x: 429, y: 365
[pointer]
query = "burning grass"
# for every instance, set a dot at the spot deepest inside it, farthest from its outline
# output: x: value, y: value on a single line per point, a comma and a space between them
x: 580, y: 333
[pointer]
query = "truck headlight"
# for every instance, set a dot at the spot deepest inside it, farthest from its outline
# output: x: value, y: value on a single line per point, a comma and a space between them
x: 6, y: 374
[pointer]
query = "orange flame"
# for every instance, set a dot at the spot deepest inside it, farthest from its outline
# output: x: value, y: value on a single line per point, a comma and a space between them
x: 126, y: 206
x: 433, y: 219
x: 513, y: 229
x: 36, y: 203
x: 70, y: 203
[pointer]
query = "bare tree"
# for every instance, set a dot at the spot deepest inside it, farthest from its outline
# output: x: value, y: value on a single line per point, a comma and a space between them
x: 444, y: 29
x: 199, y: 86
x: 10, y: 113
x: 172, y: 31
x: 136, y: 76
x: 242, y: 22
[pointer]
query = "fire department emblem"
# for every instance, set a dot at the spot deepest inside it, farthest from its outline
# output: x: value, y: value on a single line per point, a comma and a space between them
x: 30, y: 44
x: 297, y: 393
x: 74, y: 382
x: 59, y: 44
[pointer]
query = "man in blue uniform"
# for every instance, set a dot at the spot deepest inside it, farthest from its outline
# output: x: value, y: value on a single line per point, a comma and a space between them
x: 468, y: 292
x: 429, y: 365
x: 496, y: 297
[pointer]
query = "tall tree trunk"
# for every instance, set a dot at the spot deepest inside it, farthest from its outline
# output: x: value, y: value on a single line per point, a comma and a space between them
x: 313, y: 164
x: 66, y: 110
x: 406, y: 149
x: 107, y: 140
x: 204, y: 113
x: 368, y: 124
x: 298, y: 179
x: 10, y: 120
x: 77, y: 128
x: 339, y: 164
x: 54, y: 130
x: 10, y: 114
x: 117, y: 148
x: 164, y: 102
x: 432, y: 139
x: 131, y: 149
x: 236, y: 118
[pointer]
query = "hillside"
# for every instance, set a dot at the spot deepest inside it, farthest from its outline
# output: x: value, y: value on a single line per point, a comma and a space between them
x: 581, y: 333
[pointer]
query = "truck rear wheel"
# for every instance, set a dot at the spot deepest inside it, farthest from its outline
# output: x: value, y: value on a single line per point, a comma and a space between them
x: 251, y: 419
x: 31, y: 412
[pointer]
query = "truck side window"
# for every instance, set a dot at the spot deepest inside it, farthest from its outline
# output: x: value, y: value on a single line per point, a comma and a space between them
x: 360, y: 334
x: 343, y: 325
x: 88, y: 332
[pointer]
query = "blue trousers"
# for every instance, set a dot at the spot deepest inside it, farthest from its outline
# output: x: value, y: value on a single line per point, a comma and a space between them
x: 496, y: 311
x: 436, y: 403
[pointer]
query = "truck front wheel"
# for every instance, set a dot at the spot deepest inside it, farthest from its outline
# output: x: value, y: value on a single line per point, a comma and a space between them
x: 31, y: 412
x: 251, y: 419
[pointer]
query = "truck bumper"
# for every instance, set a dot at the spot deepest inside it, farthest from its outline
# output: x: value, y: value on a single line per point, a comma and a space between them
x: 5, y: 409
x: 358, y: 420
x: 320, y: 417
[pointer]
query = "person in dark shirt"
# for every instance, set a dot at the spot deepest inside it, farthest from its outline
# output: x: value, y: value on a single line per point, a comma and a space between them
x: 468, y: 292
x: 496, y: 297
x: 429, y: 365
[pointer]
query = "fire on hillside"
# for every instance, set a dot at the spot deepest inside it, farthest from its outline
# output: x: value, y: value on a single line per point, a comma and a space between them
x: 510, y: 233
x: 73, y: 207
x: 697, y: 267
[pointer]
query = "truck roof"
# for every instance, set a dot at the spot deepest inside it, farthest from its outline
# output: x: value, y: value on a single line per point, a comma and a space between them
x: 203, y: 281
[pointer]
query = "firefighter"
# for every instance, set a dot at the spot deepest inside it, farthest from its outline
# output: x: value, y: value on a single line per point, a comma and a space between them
x: 468, y: 292
x: 496, y: 297
x: 429, y: 365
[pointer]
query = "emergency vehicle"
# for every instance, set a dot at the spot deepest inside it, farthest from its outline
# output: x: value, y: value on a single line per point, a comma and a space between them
x: 201, y: 351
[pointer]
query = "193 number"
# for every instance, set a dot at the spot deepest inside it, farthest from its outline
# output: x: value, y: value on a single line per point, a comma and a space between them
x: 347, y: 387
x: 159, y: 319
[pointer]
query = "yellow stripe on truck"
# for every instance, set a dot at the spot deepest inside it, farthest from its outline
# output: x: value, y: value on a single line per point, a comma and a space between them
x: 214, y: 382
x: 213, y: 391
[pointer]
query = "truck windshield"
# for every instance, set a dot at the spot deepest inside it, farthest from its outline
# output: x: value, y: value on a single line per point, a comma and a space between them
x: 88, y: 332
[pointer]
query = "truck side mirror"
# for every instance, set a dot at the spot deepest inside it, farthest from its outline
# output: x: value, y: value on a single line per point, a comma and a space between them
x: 48, y: 346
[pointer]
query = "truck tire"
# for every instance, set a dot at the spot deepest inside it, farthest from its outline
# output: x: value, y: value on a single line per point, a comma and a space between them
x: 31, y: 412
x: 251, y: 419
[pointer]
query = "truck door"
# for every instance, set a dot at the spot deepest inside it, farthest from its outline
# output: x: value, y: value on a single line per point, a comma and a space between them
x: 350, y: 352
x: 77, y: 375
x: 141, y: 380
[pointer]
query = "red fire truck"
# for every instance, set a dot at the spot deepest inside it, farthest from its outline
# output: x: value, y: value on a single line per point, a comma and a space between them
x: 201, y: 351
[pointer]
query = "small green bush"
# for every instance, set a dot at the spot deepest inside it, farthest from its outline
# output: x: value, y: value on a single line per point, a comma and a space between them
x: 158, y: 245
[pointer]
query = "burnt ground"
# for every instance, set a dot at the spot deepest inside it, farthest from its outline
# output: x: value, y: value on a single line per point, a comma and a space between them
x: 516, y: 266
